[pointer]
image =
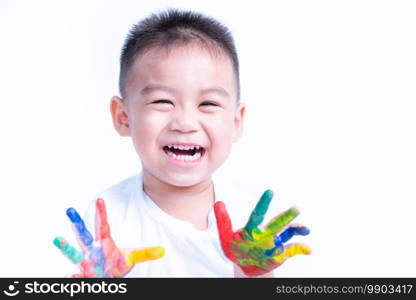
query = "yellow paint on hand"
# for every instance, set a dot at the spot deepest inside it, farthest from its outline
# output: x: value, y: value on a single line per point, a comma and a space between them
x: 138, y: 256
x: 292, y: 251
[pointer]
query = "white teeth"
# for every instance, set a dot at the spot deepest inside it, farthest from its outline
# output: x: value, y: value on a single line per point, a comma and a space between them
x: 183, y: 147
x: 196, y: 156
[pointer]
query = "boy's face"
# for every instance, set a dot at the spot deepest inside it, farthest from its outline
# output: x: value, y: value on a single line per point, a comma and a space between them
x: 185, y: 99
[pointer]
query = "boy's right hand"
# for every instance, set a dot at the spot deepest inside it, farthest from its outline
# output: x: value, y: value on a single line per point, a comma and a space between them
x: 104, y: 258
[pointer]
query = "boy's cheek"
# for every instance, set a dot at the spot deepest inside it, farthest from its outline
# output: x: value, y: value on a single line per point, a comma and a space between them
x: 152, y: 123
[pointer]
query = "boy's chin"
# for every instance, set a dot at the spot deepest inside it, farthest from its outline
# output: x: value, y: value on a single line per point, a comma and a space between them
x: 184, y: 180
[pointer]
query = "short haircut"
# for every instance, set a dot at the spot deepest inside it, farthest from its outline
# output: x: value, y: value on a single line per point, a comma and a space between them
x: 175, y: 27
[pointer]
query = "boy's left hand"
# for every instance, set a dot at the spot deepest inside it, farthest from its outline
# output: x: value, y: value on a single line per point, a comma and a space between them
x: 255, y: 251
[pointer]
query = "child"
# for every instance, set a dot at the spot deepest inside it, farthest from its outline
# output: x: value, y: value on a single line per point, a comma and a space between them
x: 180, y: 104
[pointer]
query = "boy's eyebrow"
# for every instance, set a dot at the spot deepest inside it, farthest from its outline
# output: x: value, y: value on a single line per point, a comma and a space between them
x: 216, y: 90
x: 154, y: 86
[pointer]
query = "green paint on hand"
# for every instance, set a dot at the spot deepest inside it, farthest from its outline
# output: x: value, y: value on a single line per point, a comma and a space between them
x: 279, y: 222
x: 73, y: 254
x: 257, y: 216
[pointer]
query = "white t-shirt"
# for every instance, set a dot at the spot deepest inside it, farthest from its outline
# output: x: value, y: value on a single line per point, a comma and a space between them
x: 137, y: 222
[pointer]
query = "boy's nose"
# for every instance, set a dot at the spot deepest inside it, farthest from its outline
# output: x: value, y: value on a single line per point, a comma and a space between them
x: 184, y: 122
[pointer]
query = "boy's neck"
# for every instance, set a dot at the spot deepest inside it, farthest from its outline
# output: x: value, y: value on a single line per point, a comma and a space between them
x: 191, y: 204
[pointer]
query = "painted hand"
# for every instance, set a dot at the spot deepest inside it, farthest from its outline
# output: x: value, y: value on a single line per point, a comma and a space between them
x: 255, y: 251
x: 102, y: 258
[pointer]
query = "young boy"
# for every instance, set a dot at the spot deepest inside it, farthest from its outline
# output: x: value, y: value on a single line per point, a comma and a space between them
x: 180, y: 104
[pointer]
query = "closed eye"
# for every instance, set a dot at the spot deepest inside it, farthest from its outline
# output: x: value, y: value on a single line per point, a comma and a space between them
x: 163, y: 101
x: 209, y: 103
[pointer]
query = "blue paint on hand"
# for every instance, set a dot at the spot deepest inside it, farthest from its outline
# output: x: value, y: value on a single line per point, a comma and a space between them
x: 83, y: 233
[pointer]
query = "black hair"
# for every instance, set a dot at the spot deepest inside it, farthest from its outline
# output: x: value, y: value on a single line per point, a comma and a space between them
x: 172, y: 27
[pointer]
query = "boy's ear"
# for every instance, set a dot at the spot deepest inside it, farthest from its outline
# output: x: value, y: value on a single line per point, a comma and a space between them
x: 239, y: 121
x: 120, y: 117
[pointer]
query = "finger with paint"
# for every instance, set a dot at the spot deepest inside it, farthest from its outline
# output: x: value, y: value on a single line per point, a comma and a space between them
x: 86, y: 241
x: 101, y: 258
x: 77, y: 257
x: 255, y: 251
x: 117, y: 261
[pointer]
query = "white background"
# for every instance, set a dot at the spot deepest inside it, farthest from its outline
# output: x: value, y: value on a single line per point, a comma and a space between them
x: 331, y: 104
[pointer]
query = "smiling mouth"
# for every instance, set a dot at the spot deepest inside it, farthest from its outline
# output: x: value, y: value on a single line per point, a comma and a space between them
x: 184, y: 152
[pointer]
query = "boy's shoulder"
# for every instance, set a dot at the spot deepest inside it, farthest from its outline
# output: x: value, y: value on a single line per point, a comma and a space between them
x: 122, y: 190
x: 117, y: 198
